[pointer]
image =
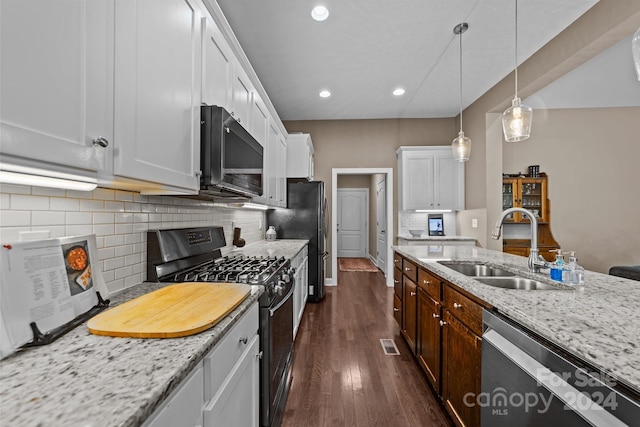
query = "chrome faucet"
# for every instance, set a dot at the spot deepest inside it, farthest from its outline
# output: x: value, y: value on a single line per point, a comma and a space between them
x: 535, y: 261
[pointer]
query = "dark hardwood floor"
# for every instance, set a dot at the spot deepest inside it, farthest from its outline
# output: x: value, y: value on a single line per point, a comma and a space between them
x: 341, y: 376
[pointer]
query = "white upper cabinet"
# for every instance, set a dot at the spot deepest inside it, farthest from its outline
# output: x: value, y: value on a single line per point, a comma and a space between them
x: 281, y: 172
x: 56, y: 92
x: 300, y: 156
x: 429, y: 178
x: 242, y: 91
x: 217, y: 66
x: 259, y: 119
x: 157, y: 91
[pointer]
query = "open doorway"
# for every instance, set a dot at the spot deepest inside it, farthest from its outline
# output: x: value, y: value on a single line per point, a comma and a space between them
x: 383, y: 229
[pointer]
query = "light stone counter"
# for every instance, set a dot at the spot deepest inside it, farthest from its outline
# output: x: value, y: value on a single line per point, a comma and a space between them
x: 438, y: 239
x: 287, y: 248
x: 92, y: 381
x: 599, y: 323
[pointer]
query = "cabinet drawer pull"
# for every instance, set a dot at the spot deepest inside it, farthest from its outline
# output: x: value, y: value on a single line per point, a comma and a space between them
x: 396, y: 260
x: 442, y: 323
x: 396, y: 309
x: 259, y: 355
x: 244, y: 340
x: 456, y: 305
x: 413, y: 294
x: 407, y: 269
x: 426, y: 282
x: 435, y: 316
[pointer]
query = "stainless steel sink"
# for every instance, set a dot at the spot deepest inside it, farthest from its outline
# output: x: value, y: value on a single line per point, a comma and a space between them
x: 477, y: 270
x: 515, y: 283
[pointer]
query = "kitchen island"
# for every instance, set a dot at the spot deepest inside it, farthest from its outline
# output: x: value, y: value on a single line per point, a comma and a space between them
x: 89, y: 380
x: 598, y: 323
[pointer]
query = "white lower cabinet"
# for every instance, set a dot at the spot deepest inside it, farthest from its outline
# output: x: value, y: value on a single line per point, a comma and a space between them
x: 224, y: 388
x: 184, y: 406
x: 301, y: 280
x: 232, y: 376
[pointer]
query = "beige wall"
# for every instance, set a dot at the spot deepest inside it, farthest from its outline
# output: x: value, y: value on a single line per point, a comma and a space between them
x: 368, y: 144
x: 591, y: 158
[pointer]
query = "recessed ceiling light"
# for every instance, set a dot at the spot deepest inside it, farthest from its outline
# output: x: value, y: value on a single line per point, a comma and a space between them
x: 320, y: 13
x: 398, y: 92
x: 324, y: 94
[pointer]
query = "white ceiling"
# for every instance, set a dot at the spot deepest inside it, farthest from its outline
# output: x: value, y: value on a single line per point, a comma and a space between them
x: 367, y: 48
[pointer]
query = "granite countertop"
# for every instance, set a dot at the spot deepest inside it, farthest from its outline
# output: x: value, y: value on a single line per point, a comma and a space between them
x: 287, y: 248
x: 426, y: 237
x: 598, y: 323
x: 89, y: 380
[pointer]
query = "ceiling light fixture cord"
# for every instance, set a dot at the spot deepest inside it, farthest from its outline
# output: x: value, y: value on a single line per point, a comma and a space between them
x: 461, y: 31
x: 515, y: 54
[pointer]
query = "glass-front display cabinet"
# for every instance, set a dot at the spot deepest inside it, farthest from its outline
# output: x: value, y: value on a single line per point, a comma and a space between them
x: 527, y: 193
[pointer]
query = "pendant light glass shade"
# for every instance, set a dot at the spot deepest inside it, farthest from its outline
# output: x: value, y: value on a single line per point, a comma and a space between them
x: 461, y: 146
x: 635, y: 49
x: 516, y: 120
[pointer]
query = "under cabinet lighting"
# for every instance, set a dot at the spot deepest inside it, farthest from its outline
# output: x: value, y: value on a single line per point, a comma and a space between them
x: 432, y: 210
x: 255, y: 206
x: 23, y: 175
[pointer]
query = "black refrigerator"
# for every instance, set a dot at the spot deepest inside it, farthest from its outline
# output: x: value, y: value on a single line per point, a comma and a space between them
x: 305, y: 218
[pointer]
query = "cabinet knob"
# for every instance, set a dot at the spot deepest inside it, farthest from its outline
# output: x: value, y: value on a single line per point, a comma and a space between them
x: 101, y: 142
x: 413, y: 294
x: 435, y: 316
x: 456, y: 305
x: 396, y: 260
x: 426, y: 282
x: 407, y: 269
x: 244, y: 340
x: 396, y: 309
x: 442, y: 323
x: 396, y: 281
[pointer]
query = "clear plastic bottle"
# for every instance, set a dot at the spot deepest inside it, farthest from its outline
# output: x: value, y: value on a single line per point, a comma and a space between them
x: 576, y: 272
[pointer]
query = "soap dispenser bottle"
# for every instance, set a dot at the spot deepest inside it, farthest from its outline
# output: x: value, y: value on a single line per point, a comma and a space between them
x: 576, y: 272
x: 555, y: 271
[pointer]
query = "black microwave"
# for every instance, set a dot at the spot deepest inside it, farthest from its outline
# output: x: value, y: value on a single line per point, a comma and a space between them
x: 231, y: 159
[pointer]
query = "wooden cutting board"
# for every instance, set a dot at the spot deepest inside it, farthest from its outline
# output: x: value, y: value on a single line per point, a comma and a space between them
x: 173, y: 311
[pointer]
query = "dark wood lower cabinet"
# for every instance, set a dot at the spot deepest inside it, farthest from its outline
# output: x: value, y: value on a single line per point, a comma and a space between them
x: 397, y: 309
x: 461, y: 371
x: 428, y: 345
x: 409, y: 312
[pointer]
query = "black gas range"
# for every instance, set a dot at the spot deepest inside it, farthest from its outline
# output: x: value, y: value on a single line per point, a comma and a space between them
x: 193, y: 255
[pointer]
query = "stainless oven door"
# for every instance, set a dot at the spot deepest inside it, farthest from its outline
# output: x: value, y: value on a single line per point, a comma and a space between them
x: 277, y: 340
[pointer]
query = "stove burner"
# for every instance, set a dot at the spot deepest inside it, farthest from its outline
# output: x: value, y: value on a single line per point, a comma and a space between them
x: 239, y: 269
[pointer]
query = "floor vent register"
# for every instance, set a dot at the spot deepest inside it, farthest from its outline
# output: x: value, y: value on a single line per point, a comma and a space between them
x: 389, y: 347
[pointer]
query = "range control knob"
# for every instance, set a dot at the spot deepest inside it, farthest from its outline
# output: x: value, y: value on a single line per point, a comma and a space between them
x: 279, y: 287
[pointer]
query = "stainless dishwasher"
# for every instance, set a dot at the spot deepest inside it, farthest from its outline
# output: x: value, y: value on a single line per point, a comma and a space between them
x: 526, y: 382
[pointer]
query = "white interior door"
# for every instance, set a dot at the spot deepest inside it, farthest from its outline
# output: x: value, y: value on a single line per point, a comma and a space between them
x: 352, y: 224
x: 381, y: 223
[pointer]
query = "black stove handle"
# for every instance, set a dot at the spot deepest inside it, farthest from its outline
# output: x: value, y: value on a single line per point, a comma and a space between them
x: 281, y: 303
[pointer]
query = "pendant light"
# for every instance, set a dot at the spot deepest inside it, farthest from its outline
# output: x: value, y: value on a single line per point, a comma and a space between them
x: 461, y: 146
x: 516, y: 120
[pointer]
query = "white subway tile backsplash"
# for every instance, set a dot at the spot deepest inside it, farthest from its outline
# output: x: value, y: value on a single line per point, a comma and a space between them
x: 31, y: 203
x: 78, y: 218
x: 92, y: 205
x: 14, y: 189
x: 43, y: 191
x: 103, y: 229
x: 47, y: 218
x: 115, y: 240
x: 15, y: 218
x: 125, y: 196
x: 103, y: 218
x: 103, y: 194
x: 113, y: 206
x: 67, y: 205
x: 76, y: 230
x: 119, y: 219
